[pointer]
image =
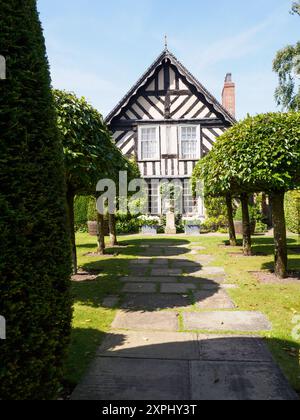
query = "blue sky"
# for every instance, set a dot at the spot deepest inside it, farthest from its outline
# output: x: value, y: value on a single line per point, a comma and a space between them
x: 98, y: 48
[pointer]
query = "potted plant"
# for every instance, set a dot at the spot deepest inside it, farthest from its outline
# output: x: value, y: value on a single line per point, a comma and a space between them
x: 192, y: 226
x: 149, y: 224
x: 238, y: 220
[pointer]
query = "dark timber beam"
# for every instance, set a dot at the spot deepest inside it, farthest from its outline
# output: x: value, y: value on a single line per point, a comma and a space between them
x: 205, y: 123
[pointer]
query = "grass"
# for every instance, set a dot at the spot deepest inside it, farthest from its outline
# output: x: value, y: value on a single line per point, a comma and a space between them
x: 279, y: 302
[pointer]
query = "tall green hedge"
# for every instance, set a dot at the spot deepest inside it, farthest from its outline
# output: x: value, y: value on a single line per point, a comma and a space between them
x: 81, y: 204
x: 34, y: 244
x: 292, y: 211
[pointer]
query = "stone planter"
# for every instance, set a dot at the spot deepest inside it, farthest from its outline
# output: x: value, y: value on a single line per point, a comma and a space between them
x: 192, y: 230
x: 93, y: 228
x: 239, y: 227
x: 149, y: 230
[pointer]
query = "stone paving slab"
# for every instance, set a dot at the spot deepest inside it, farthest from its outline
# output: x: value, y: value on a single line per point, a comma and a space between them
x: 210, y: 299
x: 185, y: 264
x: 151, y: 345
x: 233, y: 348
x: 155, y: 302
x: 160, y: 261
x: 177, y: 288
x: 211, y: 271
x: 139, y: 288
x: 157, y: 272
x: 125, y: 379
x: 139, y: 271
x: 110, y: 301
x: 141, y: 279
x: 234, y: 381
x: 140, y: 262
x: 209, y: 280
x: 226, y: 321
x: 148, y: 321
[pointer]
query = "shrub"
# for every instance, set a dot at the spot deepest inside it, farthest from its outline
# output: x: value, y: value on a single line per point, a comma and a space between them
x: 214, y: 224
x: 292, y: 211
x: 80, y: 212
x: 215, y: 206
x: 92, y: 210
x: 254, y: 213
x: 261, y: 227
x: 127, y: 224
x: 35, y: 262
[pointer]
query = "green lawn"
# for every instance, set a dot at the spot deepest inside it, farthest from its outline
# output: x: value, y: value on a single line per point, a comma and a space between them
x: 281, y: 303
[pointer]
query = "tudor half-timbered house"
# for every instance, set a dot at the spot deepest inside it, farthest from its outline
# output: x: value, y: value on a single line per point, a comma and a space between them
x: 169, y: 121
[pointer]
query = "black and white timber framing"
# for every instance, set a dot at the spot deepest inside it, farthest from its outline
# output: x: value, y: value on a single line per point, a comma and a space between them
x: 167, y: 96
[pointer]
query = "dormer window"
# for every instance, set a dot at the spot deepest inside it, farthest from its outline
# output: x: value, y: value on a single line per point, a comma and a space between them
x: 189, y: 140
x: 149, y: 143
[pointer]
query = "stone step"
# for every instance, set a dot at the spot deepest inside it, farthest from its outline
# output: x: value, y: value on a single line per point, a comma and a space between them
x: 139, y: 288
x: 213, y: 299
x: 180, y: 366
x: 226, y: 321
x: 146, y: 321
x: 184, y: 346
x: 155, y: 302
x: 142, y: 279
x: 177, y: 288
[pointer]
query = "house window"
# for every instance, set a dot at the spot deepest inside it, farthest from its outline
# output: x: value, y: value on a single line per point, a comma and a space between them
x: 154, y: 197
x: 190, y: 142
x: 149, y: 143
x: 189, y: 202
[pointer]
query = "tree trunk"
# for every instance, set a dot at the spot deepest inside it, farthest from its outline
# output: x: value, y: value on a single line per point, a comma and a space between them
x: 100, y: 234
x: 280, y: 237
x: 112, y: 230
x: 232, y: 235
x: 70, y: 203
x: 247, y: 248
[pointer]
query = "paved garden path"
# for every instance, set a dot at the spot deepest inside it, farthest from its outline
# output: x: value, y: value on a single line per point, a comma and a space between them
x: 178, y: 336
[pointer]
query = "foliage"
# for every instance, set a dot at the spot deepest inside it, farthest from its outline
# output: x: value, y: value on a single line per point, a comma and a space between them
x: 92, y: 210
x: 287, y: 66
x: 261, y: 227
x: 89, y: 151
x: 292, y: 211
x: 261, y: 153
x: 191, y: 221
x: 215, y: 206
x: 149, y: 220
x: 34, y: 244
x: 254, y: 213
x: 80, y: 212
x: 126, y: 224
x: 215, y: 224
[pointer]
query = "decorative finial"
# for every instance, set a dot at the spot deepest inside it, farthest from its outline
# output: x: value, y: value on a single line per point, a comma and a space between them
x: 166, y: 42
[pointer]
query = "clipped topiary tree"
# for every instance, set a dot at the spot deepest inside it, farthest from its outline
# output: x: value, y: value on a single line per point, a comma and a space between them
x: 35, y: 263
x: 89, y: 151
x: 210, y: 170
x: 262, y: 153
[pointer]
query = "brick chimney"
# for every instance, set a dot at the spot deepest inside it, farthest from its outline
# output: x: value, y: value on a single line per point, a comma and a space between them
x: 228, y: 94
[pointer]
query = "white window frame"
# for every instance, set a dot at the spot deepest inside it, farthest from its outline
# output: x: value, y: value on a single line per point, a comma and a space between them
x: 198, y: 134
x: 157, y: 155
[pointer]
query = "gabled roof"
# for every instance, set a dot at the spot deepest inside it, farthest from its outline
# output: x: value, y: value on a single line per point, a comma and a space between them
x: 166, y: 54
